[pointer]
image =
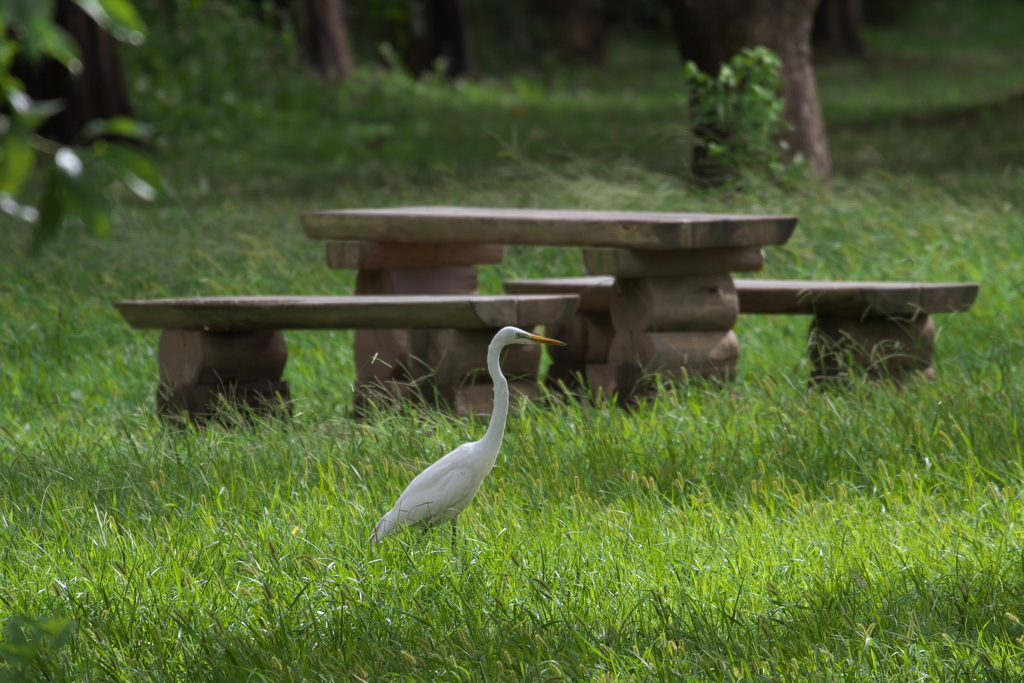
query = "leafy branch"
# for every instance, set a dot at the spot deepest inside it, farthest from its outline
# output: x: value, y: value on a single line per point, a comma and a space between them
x: 73, y: 178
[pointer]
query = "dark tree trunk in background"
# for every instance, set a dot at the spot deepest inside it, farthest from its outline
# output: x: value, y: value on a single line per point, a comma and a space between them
x: 837, y: 26
x: 98, y: 92
x: 580, y: 28
x: 438, y: 29
x: 325, y: 39
x: 710, y: 33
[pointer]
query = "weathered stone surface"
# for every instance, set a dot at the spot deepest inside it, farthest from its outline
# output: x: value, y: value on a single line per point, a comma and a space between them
x: 377, y: 255
x: 478, y: 399
x: 247, y: 314
x: 651, y: 263
x: 602, y: 378
x: 669, y: 304
x: 191, y: 358
x: 457, y: 357
x: 588, y: 337
x: 595, y: 292
x: 628, y: 229
x: 854, y: 299
x: 384, y: 360
x: 636, y: 356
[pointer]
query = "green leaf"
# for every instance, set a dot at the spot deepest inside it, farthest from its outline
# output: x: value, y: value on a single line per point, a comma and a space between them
x: 117, y: 16
x: 43, y: 38
x: 12, y: 207
x: 58, y: 628
x: 25, y: 12
x: 136, y: 170
x: 29, y: 111
x: 85, y: 200
x: 123, y: 126
x: 69, y: 162
x: 52, y: 208
x: 67, y: 197
x: 19, y: 159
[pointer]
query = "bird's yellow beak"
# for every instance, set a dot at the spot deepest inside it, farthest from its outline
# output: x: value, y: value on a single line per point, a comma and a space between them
x: 544, y: 340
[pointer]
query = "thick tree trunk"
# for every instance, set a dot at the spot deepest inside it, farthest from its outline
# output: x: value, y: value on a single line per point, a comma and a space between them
x: 326, y: 39
x: 837, y: 26
x: 710, y: 33
x: 97, y: 92
x: 438, y: 30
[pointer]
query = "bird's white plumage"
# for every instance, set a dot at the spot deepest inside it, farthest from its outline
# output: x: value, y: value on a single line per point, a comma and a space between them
x: 443, y: 490
x: 437, y: 494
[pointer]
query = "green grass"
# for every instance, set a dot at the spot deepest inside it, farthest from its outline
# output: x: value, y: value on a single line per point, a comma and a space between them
x: 755, y: 532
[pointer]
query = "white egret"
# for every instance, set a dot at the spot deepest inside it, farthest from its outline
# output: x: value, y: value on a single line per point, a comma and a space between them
x: 439, y: 493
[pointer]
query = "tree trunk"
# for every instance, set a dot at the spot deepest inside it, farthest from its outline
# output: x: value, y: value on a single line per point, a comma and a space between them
x: 438, y: 30
x: 326, y: 39
x: 710, y: 33
x: 837, y: 26
x: 97, y: 92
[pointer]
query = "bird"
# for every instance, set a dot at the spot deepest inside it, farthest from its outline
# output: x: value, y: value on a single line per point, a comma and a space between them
x: 443, y: 490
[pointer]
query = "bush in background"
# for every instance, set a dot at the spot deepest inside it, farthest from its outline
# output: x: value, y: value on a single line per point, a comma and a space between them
x: 737, y: 117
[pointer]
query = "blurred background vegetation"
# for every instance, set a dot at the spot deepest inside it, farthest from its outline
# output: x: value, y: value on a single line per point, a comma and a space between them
x: 293, y: 106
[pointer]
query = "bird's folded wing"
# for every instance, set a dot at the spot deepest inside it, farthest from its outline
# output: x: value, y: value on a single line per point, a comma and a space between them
x: 431, y: 496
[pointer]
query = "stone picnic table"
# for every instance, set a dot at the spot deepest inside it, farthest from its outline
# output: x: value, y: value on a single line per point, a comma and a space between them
x: 675, y: 298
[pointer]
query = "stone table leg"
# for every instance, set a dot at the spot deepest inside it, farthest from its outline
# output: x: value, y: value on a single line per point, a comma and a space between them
x: 673, y: 312
x: 447, y: 366
x: 674, y: 326
x: 456, y: 363
x: 389, y: 363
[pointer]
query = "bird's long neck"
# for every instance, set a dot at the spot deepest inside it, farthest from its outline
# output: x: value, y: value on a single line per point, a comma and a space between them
x: 496, y: 429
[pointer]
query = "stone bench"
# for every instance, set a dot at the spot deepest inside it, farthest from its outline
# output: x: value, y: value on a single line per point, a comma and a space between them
x: 883, y: 327
x: 233, y: 347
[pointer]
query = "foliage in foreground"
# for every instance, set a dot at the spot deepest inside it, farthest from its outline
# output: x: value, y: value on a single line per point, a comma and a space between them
x: 45, y: 183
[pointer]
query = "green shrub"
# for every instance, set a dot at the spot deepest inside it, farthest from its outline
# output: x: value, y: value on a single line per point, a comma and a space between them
x: 737, y: 117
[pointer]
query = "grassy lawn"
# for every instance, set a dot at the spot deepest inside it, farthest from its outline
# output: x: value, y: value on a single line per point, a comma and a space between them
x: 755, y: 532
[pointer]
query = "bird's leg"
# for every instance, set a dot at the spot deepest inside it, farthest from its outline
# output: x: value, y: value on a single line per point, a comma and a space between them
x: 455, y: 535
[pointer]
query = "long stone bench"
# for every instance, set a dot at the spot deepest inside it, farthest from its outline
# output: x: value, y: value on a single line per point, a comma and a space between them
x: 883, y: 327
x: 233, y: 347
